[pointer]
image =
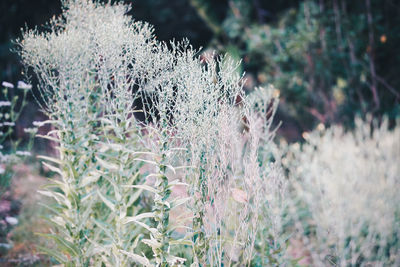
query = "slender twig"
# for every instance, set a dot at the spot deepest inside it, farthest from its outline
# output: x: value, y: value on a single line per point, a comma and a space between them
x: 371, y: 55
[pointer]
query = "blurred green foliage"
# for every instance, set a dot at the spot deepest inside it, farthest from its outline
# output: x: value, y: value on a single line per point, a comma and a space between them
x: 330, y: 59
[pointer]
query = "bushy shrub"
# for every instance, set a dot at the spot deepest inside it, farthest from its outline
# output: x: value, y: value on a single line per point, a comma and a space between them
x: 345, y: 186
x: 331, y: 60
x: 138, y: 120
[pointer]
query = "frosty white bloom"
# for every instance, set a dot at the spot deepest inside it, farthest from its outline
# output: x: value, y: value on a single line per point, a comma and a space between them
x: 31, y: 130
x: 2, y: 170
x: 8, y: 123
x: 24, y: 86
x: 12, y: 220
x: 23, y: 153
x: 7, y: 84
x: 5, y: 103
x: 38, y: 124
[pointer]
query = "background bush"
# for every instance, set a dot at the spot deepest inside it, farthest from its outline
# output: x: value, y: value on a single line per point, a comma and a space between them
x: 344, y: 190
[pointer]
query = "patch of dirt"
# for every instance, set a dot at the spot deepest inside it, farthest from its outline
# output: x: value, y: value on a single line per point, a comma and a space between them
x: 21, y: 203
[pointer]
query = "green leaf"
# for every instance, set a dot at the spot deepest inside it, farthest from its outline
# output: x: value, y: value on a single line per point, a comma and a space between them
x: 144, y: 187
x: 152, y: 243
x: 50, y: 159
x: 85, y: 216
x: 65, y: 245
x: 52, y: 253
x: 106, y: 228
x: 60, y: 198
x: 145, y: 226
x: 181, y: 242
x: 54, y: 139
x: 133, y: 178
x: 106, y: 201
x: 138, y: 217
x: 52, y: 168
x: 58, y: 186
x: 107, y: 165
x: 88, y: 196
x: 177, y: 202
x: 137, y: 258
x: 134, y: 197
x: 55, y: 209
x: 89, y: 179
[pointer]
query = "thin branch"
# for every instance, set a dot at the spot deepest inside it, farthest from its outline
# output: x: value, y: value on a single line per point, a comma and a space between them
x: 371, y: 55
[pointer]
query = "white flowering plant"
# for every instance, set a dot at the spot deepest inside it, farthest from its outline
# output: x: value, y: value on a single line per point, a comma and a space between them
x: 162, y: 157
x: 344, y: 187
